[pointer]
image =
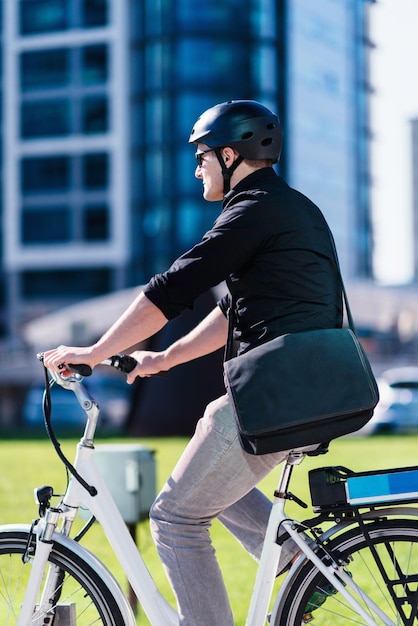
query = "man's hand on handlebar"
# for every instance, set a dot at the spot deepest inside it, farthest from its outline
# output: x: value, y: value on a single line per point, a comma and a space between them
x: 58, y: 358
x: 142, y: 364
x: 149, y: 364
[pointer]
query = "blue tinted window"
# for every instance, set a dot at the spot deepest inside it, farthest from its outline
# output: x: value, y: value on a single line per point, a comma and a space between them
x: 188, y: 183
x: 94, y: 13
x: 153, y: 18
x: 192, y: 105
x: 48, y: 118
x: 66, y: 283
x: 189, y: 224
x: 96, y: 223
x: 156, y: 115
x: 95, y: 168
x: 215, y: 16
x: 42, y: 16
x: 94, y: 64
x: 157, y: 59
x: 224, y: 62
x: 263, y: 18
x: 265, y: 66
x: 46, y: 225
x: 94, y: 115
x: 44, y: 69
x: 45, y: 174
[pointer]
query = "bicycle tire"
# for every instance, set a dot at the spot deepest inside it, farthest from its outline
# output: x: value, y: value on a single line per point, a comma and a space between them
x: 82, y: 587
x: 394, y: 540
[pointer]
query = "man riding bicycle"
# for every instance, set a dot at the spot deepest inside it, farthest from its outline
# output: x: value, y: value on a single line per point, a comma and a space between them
x: 271, y: 245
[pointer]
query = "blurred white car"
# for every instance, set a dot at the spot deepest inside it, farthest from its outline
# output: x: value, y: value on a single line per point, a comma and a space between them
x: 111, y: 393
x: 397, y: 411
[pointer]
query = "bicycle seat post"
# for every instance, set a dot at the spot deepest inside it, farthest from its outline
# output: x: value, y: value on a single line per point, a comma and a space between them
x: 292, y: 459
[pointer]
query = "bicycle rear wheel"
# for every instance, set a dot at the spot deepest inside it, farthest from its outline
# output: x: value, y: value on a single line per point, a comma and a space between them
x: 84, y: 598
x: 396, y: 543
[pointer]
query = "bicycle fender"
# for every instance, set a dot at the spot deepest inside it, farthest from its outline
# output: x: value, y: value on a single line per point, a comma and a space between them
x: 84, y: 554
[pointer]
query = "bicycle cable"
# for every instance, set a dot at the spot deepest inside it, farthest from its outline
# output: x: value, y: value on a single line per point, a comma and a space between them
x: 122, y: 362
x: 47, y: 410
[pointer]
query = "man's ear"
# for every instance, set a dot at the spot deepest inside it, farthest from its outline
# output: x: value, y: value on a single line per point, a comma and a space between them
x: 229, y: 154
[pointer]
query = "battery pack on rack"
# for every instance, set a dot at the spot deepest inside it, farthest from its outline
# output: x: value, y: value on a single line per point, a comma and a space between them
x: 338, y: 487
x: 390, y: 486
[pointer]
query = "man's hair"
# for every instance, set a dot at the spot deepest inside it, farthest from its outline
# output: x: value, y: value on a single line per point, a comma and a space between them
x: 258, y: 163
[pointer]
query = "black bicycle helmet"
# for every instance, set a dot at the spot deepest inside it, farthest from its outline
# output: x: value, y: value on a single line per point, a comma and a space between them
x: 245, y: 125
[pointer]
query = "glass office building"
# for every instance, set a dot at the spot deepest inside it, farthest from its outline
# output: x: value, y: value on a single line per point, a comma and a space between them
x: 66, y: 199
x: 99, y: 97
x: 328, y: 129
x: 188, y: 56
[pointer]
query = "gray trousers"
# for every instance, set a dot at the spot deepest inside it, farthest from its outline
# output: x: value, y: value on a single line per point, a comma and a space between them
x: 214, y: 478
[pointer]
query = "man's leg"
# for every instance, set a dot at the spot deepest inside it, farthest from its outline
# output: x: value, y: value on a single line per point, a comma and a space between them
x: 212, y: 474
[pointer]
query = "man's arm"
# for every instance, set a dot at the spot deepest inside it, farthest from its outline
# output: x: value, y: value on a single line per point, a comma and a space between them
x: 141, y: 320
x: 209, y: 335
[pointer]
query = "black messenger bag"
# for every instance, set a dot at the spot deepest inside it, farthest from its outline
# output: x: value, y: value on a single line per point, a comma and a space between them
x: 301, y: 388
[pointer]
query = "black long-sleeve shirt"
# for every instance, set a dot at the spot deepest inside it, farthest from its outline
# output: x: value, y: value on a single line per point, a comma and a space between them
x: 272, y: 246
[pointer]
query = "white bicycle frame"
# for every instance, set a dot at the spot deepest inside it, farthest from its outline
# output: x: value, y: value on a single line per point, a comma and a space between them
x: 158, y: 611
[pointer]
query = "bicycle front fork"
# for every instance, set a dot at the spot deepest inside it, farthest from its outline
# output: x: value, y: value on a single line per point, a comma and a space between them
x: 39, y: 563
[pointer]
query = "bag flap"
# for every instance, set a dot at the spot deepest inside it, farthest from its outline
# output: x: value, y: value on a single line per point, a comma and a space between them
x: 300, y: 376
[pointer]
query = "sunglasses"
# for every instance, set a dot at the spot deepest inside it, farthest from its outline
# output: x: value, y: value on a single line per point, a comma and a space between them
x: 199, y: 155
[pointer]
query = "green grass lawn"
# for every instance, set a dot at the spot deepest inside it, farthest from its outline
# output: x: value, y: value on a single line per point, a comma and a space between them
x: 25, y: 464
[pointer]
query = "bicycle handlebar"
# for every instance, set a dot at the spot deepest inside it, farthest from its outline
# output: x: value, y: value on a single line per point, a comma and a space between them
x: 122, y: 362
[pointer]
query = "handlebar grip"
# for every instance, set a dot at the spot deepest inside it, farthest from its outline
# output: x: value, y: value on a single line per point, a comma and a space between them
x: 126, y: 363
x: 82, y: 369
x: 122, y: 362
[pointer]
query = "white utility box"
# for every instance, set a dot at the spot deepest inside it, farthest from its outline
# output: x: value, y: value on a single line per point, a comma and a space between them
x: 130, y: 473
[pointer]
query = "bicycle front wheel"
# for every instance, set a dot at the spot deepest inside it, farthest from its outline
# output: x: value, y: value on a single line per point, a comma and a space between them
x: 311, y: 598
x: 82, y: 597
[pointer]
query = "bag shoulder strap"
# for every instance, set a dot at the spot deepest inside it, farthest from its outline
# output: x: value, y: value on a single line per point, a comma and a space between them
x: 345, y: 298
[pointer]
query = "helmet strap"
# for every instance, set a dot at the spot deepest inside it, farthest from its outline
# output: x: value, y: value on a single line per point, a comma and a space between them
x: 227, y: 171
